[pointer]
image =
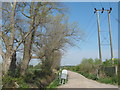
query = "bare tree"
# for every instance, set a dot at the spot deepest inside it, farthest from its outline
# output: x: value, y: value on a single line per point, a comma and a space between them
x: 9, y: 39
x: 38, y: 17
x: 54, y: 38
x: 33, y: 24
x: 9, y: 33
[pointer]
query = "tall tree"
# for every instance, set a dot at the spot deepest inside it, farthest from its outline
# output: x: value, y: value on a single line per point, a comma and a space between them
x: 10, y: 28
x: 38, y: 17
x: 54, y: 38
x: 9, y: 40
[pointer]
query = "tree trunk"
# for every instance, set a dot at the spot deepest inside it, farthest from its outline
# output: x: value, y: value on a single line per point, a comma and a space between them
x: 27, y: 53
x: 26, y: 57
x: 6, y: 63
x: 13, y: 62
x: 30, y: 39
x: 9, y: 62
x: 9, y: 56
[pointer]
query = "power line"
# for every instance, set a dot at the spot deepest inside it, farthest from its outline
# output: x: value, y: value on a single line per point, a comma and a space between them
x: 93, y: 25
x: 90, y: 24
x: 101, y: 3
x: 92, y: 4
x: 104, y: 39
x: 109, y: 3
x: 103, y: 20
x: 116, y: 19
x: 92, y: 28
x: 89, y: 21
x: 90, y: 34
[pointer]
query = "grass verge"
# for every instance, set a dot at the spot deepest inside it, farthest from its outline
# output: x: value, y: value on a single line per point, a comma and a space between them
x: 54, y: 84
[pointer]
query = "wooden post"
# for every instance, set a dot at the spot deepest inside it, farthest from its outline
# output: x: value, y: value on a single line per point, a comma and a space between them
x: 116, y: 70
x: 110, y: 35
x: 98, y: 23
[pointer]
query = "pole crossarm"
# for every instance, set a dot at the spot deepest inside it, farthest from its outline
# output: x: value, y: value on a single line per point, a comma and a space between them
x: 102, y: 10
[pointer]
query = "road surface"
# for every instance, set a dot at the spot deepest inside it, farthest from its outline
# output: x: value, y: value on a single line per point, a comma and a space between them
x: 76, y: 80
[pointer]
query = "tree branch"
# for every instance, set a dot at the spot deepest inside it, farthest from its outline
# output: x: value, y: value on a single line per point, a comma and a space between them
x: 5, y: 39
x: 25, y: 15
x: 1, y: 51
x: 5, y: 10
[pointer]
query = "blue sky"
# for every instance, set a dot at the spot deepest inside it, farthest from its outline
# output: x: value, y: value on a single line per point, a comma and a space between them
x: 83, y: 13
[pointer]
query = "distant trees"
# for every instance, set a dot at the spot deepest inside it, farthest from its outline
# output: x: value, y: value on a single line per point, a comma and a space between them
x: 93, y: 67
x: 38, y: 28
x: 89, y: 65
x: 109, y: 62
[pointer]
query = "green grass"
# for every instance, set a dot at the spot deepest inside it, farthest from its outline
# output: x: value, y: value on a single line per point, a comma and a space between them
x: 109, y: 80
x: 54, y: 84
x: 90, y: 76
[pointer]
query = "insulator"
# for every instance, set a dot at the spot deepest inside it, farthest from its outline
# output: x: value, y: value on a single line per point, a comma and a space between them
x: 111, y: 9
x: 103, y: 9
x: 95, y: 10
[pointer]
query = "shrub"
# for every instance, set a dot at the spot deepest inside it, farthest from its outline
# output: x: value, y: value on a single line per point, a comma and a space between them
x: 89, y: 67
x: 9, y: 82
x: 106, y: 80
x: 15, y: 73
x: 115, y: 79
x: 29, y: 77
x: 21, y: 82
x: 90, y: 76
x: 109, y: 80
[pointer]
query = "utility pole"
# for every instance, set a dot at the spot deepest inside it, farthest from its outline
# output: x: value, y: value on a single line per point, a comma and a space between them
x: 110, y: 32
x: 98, y: 23
x: 110, y: 35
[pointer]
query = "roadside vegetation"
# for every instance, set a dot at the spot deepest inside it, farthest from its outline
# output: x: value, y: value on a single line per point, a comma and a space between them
x: 33, y: 78
x: 90, y: 68
x: 54, y: 84
x: 30, y: 31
